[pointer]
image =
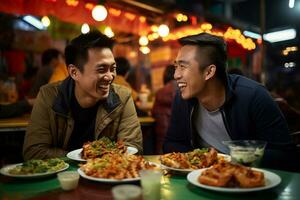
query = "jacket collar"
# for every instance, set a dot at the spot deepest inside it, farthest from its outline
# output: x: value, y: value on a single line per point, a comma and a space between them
x: 229, y: 87
x: 61, y: 103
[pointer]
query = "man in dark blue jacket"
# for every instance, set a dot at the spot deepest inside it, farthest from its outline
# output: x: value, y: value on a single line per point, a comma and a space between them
x: 213, y: 106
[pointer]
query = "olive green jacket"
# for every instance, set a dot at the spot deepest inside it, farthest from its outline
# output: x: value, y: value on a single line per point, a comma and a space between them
x: 51, y: 123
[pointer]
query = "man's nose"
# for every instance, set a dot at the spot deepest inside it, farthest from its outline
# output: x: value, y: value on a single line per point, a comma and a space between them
x: 109, y: 76
x: 177, y: 74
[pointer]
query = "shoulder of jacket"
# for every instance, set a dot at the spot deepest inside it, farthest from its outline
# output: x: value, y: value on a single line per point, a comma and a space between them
x: 245, y: 83
x: 123, y: 92
x: 49, y: 91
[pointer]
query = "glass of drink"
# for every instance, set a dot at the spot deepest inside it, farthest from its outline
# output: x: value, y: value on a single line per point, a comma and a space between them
x: 68, y: 180
x: 126, y: 192
x: 151, y: 184
x: 246, y: 152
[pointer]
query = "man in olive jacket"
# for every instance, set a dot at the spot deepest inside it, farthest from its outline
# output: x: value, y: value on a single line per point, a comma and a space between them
x: 85, y: 106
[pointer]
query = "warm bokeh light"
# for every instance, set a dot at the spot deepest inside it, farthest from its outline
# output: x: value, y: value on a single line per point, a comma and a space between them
x: 154, y: 28
x: 99, y: 13
x: 163, y: 30
x: 108, y: 32
x: 287, y: 50
x: 143, y: 41
x: 114, y: 12
x: 46, y: 21
x: 179, y: 17
x: 72, y: 3
x: 206, y: 26
x: 142, y: 19
x: 85, y: 28
x: 145, y: 50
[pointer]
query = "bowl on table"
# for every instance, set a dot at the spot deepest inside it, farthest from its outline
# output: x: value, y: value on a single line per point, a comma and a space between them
x: 246, y: 152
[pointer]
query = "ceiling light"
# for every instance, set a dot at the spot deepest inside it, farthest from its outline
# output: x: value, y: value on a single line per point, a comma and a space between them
x: 99, y: 13
x: 34, y: 22
x: 291, y: 3
x: 278, y: 36
x: 252, y: 34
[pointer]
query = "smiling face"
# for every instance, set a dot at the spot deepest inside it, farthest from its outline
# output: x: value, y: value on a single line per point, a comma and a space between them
x: 190, y: 79
x: 93, y: 83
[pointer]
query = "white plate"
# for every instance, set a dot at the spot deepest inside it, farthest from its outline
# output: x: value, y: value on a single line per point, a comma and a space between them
x: 271, y: 179
x: 76, y: 154
x: 226, y: 158
x: 4, y: 170
x: 106, y: 180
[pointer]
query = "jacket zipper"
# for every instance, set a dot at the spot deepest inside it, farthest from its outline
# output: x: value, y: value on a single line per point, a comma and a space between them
x: 192, y: 131
x: 225, y: 121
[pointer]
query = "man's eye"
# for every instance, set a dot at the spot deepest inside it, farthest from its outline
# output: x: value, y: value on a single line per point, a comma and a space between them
x: 112, y: 69
x: 100, y: 70
x: 182, y: 66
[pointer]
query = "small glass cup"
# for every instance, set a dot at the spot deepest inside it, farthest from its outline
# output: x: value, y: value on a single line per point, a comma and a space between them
x: 151, y: 184
x: 126, y: 192
x: 246, y: 152
x: 68, y: 180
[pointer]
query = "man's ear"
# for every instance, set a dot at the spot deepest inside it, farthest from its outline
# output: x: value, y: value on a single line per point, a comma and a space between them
x: 210, y: 71
x: 73, y: 71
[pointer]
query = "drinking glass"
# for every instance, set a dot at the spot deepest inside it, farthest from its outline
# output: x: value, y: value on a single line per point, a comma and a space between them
x: 151, y: 184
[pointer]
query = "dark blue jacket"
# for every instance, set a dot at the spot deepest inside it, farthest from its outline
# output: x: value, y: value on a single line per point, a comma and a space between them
x: 249, y: 112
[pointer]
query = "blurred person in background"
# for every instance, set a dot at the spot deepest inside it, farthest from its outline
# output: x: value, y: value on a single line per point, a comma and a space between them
x: 162, y: 107
x: 10, y: 106
x: 85, y: 106
x: 51, y: 58
x: 123, y: 67
x: 59, y: 73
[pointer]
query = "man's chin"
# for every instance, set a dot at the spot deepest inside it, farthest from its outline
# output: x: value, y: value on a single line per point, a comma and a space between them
x: 185, y: 97
x: 103, y: 95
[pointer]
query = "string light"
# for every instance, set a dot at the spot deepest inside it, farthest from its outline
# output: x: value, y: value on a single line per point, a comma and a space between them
x: 73, y: 3
x: 46, y: 21
x: 145, y: 49
x: 163, y: 30
x: 229, y: 34
x: 143, y: 41
x: 108, y: 32
x: 85, y: 28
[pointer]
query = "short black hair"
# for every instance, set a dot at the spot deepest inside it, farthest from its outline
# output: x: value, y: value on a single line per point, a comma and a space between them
x: 123, y: 65
x: 76, y: 52
x: 215, y: 49
x: 48, y: 55
x: 169, y: 73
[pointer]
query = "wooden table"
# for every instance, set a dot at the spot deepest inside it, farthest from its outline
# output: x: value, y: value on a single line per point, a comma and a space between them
x: 21, y: 123
x: 174, y: 187
x: 14, y: 124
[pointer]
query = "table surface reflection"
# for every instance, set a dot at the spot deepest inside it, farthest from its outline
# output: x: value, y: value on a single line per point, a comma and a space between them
x: 174, y: 187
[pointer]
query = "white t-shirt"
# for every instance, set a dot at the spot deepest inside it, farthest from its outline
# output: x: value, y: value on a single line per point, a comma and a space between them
x: 211, y: 128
